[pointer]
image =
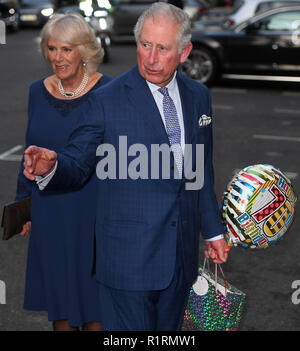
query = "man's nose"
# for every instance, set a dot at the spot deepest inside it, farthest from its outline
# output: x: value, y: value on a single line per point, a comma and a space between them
x: 153, y: 56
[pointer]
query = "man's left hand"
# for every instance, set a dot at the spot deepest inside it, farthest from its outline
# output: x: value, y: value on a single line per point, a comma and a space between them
x: 217, y: 250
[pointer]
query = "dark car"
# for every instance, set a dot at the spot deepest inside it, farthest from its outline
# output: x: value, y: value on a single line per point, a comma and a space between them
x: 9, y: 14
x: 195, y: 8
x: 94, y: 15
x: 124, y: 14
x: 265, y: 47
x: 123, y: 17
x: 35, y: 12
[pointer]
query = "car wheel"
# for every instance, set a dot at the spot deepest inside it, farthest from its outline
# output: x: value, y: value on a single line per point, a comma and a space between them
x: 15, y: 26
x: 105, y: 44
x: 201, y: 65
x: 106, y: 55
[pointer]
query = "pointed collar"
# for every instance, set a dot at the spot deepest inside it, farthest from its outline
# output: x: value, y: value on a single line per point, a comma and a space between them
x: 171, y: 86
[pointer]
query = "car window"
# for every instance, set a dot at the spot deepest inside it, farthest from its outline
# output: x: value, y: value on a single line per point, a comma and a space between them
x: 268, y: 5
x: 30, y: 1
x: 196, y: 3
x: 286, y: 21
x: 130, y: 2
x: 34, y: 2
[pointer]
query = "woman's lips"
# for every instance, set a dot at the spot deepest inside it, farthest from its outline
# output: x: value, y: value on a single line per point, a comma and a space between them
x: 60, y: 68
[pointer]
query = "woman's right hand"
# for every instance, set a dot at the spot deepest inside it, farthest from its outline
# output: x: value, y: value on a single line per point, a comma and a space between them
x: 26, y: 228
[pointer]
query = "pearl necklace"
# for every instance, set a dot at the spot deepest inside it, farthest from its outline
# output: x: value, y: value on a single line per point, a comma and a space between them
x: 71, y: 94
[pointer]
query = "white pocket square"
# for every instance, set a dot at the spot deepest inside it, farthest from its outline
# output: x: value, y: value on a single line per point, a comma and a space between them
x: 204, y: 121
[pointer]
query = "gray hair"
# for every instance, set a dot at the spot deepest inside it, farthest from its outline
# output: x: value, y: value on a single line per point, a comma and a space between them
x: 73, y: 29
x: 172, y: 13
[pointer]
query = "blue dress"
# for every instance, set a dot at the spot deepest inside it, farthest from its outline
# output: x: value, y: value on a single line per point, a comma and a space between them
x: 60, y: 266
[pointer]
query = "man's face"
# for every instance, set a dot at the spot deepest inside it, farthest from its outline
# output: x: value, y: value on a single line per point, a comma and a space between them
x: 157, y: 50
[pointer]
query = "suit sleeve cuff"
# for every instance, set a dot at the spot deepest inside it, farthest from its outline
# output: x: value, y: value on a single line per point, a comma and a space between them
x: 42, y: 182
x: 218, y: 237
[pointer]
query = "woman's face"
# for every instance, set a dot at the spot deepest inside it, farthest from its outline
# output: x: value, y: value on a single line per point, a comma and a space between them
x: 65, y: 59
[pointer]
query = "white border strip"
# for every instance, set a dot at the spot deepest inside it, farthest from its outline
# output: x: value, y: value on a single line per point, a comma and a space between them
x: 276, y: 137
x: 8, y: 155
x: 261, y: 77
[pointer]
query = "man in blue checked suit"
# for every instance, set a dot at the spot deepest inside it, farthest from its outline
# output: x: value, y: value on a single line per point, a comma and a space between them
x: 147, y: 228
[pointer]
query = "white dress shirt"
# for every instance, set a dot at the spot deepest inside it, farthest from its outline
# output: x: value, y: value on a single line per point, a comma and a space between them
x: 175, y: 96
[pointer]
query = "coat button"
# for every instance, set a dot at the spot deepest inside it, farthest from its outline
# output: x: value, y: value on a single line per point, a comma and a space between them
x: 173, y: 224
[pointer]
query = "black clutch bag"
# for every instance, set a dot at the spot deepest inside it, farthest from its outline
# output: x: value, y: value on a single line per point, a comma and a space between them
x: 14, y: 216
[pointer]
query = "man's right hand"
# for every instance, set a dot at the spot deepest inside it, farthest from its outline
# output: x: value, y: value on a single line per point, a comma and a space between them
x: 38, y: 161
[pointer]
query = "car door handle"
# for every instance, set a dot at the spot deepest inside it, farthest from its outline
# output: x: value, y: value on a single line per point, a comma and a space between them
x: 291, y: 43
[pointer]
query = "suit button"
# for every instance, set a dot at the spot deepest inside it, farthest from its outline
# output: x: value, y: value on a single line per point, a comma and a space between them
x: 178, y: 195
x: 172, y: 168
x: 173, y: 224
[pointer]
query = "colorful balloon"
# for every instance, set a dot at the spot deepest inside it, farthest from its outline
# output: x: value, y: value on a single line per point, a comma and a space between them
x: 258, y: 207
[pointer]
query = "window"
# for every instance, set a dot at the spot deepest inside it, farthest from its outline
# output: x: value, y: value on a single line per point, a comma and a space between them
x: 131, y: 2
x: 286, y: 21
x: 268, y: 5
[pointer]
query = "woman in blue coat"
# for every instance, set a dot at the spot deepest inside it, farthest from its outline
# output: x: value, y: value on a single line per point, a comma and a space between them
x: 59, y: 275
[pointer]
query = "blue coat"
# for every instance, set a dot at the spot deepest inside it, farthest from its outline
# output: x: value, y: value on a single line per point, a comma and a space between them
x: 138, y: 221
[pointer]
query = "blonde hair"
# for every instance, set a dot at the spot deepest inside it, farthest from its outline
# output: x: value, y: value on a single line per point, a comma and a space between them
x: 73, y: 29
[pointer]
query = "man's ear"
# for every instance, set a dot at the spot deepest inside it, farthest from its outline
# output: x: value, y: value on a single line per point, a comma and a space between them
x: 185, y: 52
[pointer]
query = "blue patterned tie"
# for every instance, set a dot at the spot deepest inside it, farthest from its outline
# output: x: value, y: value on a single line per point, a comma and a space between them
x: 172, y: 127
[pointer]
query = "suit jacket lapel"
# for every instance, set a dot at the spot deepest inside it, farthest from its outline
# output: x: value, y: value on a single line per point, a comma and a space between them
x: 188, y: 107
x: 141, y: 98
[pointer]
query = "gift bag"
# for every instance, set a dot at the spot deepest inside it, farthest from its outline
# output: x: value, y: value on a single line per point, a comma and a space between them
x: 213, y: 304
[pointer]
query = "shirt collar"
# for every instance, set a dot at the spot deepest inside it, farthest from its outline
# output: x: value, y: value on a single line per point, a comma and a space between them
x: 171, y: 86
